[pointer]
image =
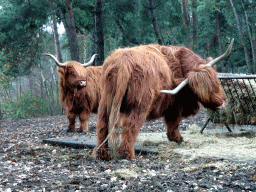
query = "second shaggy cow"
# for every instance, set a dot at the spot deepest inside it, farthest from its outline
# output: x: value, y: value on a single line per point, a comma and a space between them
x: 79, y: 90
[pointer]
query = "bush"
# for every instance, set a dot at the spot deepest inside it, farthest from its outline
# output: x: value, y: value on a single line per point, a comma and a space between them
x: 27, y: 106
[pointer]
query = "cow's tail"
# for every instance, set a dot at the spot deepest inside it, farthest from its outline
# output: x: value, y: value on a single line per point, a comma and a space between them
x: 114, y: 106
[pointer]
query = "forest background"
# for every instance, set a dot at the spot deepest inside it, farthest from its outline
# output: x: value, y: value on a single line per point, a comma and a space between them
x: 28, y: 28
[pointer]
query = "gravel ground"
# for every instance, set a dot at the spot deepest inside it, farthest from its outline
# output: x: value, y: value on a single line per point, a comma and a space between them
x: 29, y: 165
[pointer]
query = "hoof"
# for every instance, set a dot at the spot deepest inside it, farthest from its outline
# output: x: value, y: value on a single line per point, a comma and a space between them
x: 124, y: 154
x: 102, y: 153
x: 180, y: 141
x: 175, y: 139
x: 82, y: 131
x: 70, y: 130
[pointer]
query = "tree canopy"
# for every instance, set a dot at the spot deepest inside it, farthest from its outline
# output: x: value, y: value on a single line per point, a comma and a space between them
x: 21, y: 23
x: 100, y: 26
x: 204, y: 26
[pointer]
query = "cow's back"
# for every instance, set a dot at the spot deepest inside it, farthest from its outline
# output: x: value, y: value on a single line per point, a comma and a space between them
x: 146, y: 64
x: 148, y: 72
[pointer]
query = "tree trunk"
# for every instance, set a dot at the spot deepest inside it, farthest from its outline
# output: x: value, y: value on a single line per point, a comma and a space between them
x: 187, y: 22
x: 46, y: 92
x: 70, y: 30
x: 195, y: 25
x: 219, y: 39
x: 251, y: 40
x: 55, y: 32
x: 20, y: 93
x: 99, y: 38
x: 1, y: 115
x: 155, y: 22
x: 125, y: 37
x: 253, y: 28
x: 121, y: 29
x: 73, y: 44
x: 247, y: 58
x: 207, y: 45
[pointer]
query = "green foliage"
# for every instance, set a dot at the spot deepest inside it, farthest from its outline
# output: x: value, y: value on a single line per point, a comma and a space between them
x: 26, y: 106
x: 84, y: 15
x: 20, y: 26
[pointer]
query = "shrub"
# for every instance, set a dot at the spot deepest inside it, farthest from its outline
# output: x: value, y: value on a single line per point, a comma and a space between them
x: 27, y: 106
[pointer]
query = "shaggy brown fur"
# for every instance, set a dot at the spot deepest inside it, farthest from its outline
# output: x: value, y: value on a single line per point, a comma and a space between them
x: 79, y: 100
x: 131, y: 83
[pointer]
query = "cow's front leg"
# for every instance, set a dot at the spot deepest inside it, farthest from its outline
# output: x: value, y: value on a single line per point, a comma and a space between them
x: 72, y: 120
x: 172, y: 123
x: 84, y: 117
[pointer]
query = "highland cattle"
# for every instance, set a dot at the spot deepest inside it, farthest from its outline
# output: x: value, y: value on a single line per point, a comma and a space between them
x: 134, y: 84
x: 80, y: 90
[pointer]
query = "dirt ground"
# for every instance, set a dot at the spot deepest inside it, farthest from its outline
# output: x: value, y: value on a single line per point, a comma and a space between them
x: 29, y: 165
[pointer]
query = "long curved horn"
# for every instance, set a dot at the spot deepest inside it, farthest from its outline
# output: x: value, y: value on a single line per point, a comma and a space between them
x: 90, y: 62
x: 55, y: 59
x: 224, y: 56
x: 177, y: 89
x: 185, y: 82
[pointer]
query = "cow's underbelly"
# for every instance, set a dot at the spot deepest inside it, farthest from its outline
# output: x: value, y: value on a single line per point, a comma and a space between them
x: 154, y: 115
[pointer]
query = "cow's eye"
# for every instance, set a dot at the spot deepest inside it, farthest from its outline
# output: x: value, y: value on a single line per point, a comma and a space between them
x: 70, y: 72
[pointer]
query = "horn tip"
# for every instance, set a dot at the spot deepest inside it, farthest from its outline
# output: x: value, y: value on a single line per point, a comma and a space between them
x: 232, y: 41
x: 47, y: 54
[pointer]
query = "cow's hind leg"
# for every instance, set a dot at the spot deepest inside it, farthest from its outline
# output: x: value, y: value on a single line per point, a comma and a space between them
x: 131, y: 126
x: 72, y: 120
x: 84, y: 117
x: 102, y: 133
x: 172, y: 121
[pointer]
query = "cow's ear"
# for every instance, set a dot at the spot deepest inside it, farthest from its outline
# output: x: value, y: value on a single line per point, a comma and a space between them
x: 61, y: 71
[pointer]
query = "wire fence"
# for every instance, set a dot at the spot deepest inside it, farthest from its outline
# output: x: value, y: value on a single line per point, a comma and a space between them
x: 241, y: 96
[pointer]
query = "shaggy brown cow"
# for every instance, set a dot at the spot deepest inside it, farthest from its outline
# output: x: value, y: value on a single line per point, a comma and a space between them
x: 79, y: 91
x: 131, y: 92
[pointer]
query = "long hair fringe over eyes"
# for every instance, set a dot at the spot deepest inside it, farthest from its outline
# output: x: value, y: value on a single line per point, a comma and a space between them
x: 204, y: 81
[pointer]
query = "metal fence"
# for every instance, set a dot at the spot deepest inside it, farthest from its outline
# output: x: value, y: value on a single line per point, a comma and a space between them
x: 241, y: 95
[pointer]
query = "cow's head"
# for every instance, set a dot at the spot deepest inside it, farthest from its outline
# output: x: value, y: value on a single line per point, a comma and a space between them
x: 205, y: 83
x: 72, y: 74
